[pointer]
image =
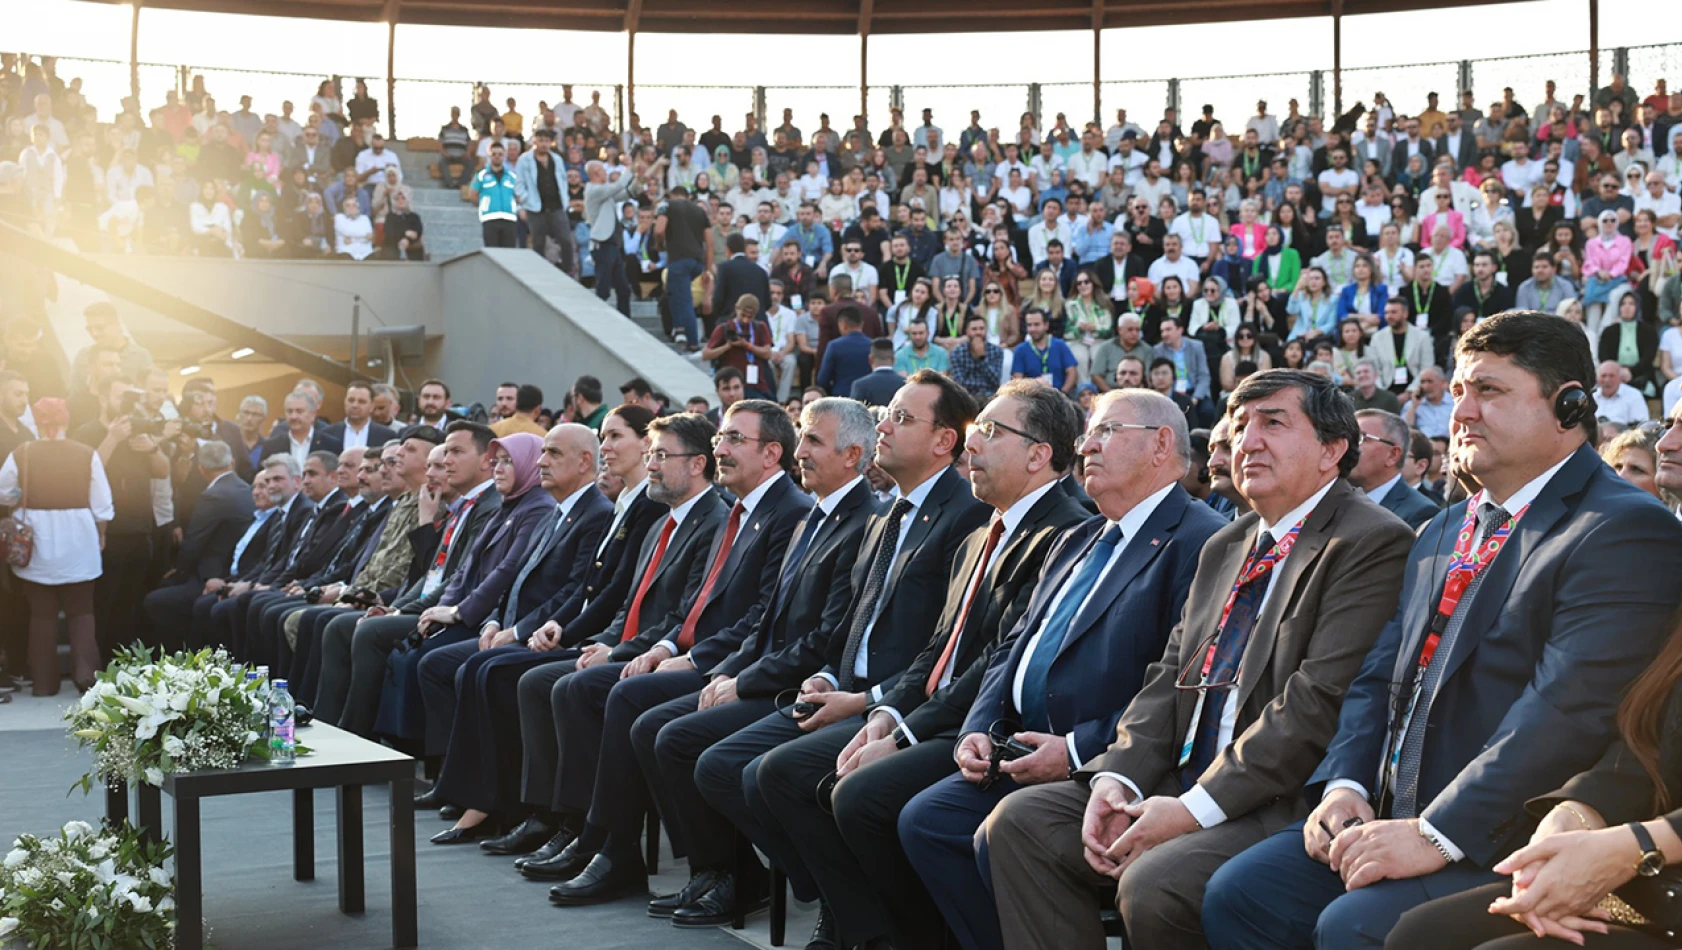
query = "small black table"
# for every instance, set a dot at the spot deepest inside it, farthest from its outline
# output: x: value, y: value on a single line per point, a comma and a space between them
x: 337, y: 760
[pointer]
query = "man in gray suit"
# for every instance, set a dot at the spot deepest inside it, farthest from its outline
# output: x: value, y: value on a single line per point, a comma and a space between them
x: 601, y: 208
x: 219, y: 519
x: 1384, y: 450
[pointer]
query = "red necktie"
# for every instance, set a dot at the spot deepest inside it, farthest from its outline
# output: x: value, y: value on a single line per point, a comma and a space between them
x: 993, y: 536
x: 648, y: 579
x: 450, y: 531
x: 686, y: 637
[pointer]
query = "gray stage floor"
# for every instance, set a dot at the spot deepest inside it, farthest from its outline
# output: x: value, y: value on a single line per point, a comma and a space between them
x: 467, y: 899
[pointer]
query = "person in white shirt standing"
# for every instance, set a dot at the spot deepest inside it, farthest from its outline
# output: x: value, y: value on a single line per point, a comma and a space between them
x: 1265, y: 126
x: 1199, y: 233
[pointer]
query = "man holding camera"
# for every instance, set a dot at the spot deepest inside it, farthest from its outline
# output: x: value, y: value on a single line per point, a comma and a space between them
x: 128, y: 442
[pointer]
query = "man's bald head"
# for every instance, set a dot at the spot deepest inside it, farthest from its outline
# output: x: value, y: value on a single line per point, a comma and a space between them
x: 570, y: 460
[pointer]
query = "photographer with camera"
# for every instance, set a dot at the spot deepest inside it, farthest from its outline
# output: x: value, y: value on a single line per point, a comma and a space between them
x: 127, y: 438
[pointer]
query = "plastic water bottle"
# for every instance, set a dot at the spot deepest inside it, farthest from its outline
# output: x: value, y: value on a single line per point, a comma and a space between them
x: 283, y: 745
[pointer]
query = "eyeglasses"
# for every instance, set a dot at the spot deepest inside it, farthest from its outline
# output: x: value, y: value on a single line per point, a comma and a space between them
x: 661, y: 455
x: 1365, y: 438
x: 736, y: 439
x: 1083, y: 283
x: 503, y: 462
x: 992, y: 292
x: 988, y: 429
x: 1101, y: 432
x: 901, y: 417
x: 1191, y: 675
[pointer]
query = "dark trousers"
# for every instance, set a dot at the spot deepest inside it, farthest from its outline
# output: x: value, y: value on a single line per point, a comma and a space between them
x: 14, y: 624
x: 728, y: 776
x: 402, y: 708
x: 1275, y: 896
x: 485, y: 747
x: 539, y: 734
x: 353, y: 661
x: 789, y: 778
x: 610, y: 272
x: 170, y: 611
x: 270, y: 631
x: 884, y: 892
x: 499, y: 233
x: 547, y: 225
x: 215, y: 625
x: 937, y: 830
x: 260, y: 644
x: 621, y: 795
x: 1463, y: 922
x: 440, y: 674
x: 669, y: 740
x: 306, y: 650
x: 120, y: 589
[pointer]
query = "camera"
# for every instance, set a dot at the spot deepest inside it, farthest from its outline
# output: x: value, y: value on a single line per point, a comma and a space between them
x: 313, y: 595
x: 141, y: 422
x: 731, y: 335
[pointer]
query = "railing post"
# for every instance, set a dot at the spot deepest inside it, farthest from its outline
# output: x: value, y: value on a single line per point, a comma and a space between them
x: 1174, y: 97
x: 1316, y: 93
x: 1465, y: 81
x: 896, y: 98
x: 759, y: 105
x: 183, y: 81
x: 1034, y: 105
x: 1620, y: 61
x: 619, y: 104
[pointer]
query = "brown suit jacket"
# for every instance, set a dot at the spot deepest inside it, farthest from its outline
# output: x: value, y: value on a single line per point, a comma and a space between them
x: 1326, y: 606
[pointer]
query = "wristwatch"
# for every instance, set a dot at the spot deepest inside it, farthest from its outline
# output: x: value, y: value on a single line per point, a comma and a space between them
x: 1651, y: 861
x: 1437, y: 843
x: 902, y: 740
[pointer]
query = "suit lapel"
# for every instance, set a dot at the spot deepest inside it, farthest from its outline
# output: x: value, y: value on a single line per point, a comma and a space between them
x: 1141, y: 550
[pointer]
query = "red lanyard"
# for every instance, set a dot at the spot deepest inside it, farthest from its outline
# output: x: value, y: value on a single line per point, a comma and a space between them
x: 450, y: 531
x: 1465, y: 566
x: 1254, y: 568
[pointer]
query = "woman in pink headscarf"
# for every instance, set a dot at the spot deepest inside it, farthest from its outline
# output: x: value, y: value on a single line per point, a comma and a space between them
x: 472, y: 594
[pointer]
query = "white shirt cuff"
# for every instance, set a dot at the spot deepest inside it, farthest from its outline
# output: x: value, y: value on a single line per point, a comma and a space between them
x: 875, y: 694
x: 898, y: 719
x: 1124, y: 780
x: 1203, y: 807
x: 1351, y: 784
x: 670, y: 647
x: 831, y: 677
x: 1074, y: 755
x: 1454, y: 853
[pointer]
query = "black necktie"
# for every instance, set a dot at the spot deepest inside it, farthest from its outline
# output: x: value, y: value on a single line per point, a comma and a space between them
x: 865, y: 611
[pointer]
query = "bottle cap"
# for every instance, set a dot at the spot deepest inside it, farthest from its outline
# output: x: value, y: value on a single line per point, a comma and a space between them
x: 280, y: 684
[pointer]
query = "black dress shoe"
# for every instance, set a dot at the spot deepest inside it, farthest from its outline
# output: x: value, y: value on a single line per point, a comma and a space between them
x: 555, y: 845
x: 451, y: 812
x: 698, y: 885
x: 479, y: 832
x: 526, y: 837
x: 716, y: 907
x: 602, y: 881
x: 428, y: 800
x: 562, y: 867
x: 825, y: 936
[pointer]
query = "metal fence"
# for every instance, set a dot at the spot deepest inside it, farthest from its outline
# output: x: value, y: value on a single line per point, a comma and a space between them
x: 423, y: 104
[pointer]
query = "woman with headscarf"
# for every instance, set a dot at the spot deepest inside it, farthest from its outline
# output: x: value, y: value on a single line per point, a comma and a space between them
x: 1277, y: 264
x: 471, y: 594
x: 723, y: 172
x: 58, y: 489
x: 1605, y: 266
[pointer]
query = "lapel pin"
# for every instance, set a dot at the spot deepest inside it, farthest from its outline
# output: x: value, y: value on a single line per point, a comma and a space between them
x: 925, y: 519
x: 1155, y: 542
x: 756, y: 526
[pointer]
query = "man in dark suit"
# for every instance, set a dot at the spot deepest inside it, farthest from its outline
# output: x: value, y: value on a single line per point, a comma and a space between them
x: 738, y: 276
x: 905, y: 554
x: 878, y: 387
x: 1101, y: 611
x: 1385, y: 440
x: 221, y: 520
x: 354, y: 654
x: 482, y: 753
x: 847, y: 358
x: 171, y: 609
x: 358, y: 429
x: 837, y: 442
x: 1458, y: 143
x: 1019, y: 448
x: 1197, y: 774
x: 300, y: 432
x: 294, y: 512
x: 1492, y: 684
x: 671, y: 566
x: 755, y: 453
x: 1120, y: 265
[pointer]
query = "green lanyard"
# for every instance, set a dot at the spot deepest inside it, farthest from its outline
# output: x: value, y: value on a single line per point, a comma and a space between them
x: 900, y: 274
x: 953, y: 321
x: 1423, y: 306
x: 1542, y: 298
x: 1045, y: 356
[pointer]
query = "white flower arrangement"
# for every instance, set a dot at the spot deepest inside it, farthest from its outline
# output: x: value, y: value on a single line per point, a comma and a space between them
x: 87, y: 889
x: 146, y: 717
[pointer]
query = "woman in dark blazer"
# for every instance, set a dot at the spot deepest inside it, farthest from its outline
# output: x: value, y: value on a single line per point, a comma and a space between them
x: 1593, y: 833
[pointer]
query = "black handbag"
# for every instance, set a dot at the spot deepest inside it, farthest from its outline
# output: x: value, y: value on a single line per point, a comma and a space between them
x: 1652, y: 905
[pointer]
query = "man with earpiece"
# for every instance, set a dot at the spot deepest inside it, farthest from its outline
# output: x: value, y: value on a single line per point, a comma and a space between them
x: 1525, y: 611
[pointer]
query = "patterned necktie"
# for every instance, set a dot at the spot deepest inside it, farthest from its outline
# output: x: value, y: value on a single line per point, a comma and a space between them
x: 1035, y: 718
x: 633, y: 616
x: 1229, y: 653
x: 864, y: 611
x: 996, y: 532
x: 511, y: 604
x: 1406, y: 802
x: 686, y: 636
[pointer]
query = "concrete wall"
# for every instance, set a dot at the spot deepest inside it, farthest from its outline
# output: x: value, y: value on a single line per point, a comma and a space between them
x: 510, y: 316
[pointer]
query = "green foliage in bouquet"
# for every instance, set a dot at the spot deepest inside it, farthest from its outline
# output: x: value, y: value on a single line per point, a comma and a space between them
x: 87, y: 889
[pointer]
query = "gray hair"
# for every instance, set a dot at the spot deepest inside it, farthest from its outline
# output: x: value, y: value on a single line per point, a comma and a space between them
x: 304, y: 396
x: 215, y: 456
x: 286, y: 461
x: 1128, y: 320
x: 258, y: 401
x: 329, y: 460
x: 855, y: 424
x: 1369, y: 363
x: 1152, y: 408
x: 386, y: 389
x: 1396, y: 430
x: 594, y: 165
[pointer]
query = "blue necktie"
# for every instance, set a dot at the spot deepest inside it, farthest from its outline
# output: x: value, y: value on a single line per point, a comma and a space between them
x: 1229, y: 653
x: 791, y: 569
x: 1056, y: 628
